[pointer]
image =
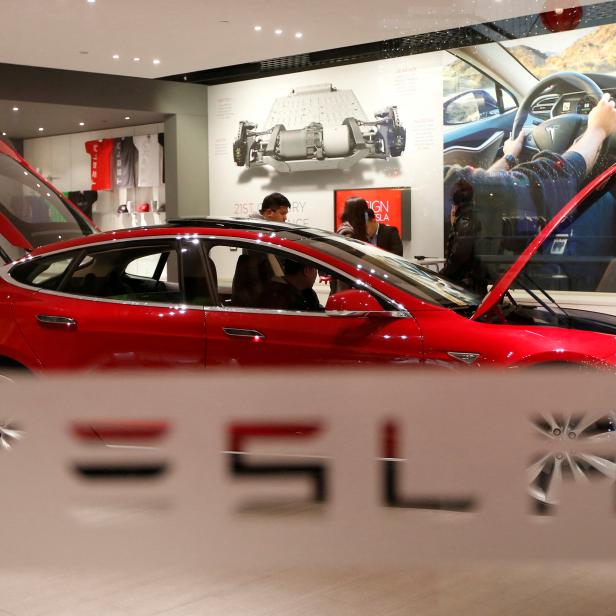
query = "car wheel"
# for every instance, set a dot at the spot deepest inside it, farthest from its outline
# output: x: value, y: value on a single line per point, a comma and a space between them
x: 11, y: 371
x: 575, y: 461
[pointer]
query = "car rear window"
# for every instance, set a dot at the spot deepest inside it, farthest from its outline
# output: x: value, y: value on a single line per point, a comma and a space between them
x: 37, y: 212
x: 44, y: 273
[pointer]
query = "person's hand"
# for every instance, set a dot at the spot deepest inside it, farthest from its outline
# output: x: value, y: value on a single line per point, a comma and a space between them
x: 514, y: 146
x: 603, y: 116
x: 453, y: 214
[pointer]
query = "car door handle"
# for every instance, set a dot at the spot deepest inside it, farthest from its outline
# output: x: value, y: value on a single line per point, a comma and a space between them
x: 243, y: 333
x: 54, y: 320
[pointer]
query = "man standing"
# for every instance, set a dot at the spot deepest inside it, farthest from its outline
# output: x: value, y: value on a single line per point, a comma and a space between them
x: 274, y: 208
x: 383, y: 236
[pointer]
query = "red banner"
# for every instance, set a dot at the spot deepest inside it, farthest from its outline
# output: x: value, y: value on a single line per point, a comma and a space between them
x: 387, y: 204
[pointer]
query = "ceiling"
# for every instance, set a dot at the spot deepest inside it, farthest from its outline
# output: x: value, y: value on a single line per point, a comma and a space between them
x: 191, y: 35
x: 65, y: 119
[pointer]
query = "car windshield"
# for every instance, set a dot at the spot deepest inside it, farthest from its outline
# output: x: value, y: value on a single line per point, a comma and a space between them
x: 574, y: 50
x: 402, y: 273
x: 34, y: 209
x: 580, y: 254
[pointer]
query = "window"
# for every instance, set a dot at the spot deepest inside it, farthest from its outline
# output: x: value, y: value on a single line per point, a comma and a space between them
x: 141, y: 273
x: 45, y: 273
x: 273, y: 279
x: 34, y: 209
x: 469, y: 95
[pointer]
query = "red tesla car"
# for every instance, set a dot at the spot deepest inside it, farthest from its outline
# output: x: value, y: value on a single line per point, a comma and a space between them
x: 212, y: 292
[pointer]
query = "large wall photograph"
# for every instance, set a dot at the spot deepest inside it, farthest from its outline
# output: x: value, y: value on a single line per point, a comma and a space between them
x: 498, y: 196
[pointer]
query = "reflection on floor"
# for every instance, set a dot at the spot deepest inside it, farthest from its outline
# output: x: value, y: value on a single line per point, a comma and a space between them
x: 554, y: 589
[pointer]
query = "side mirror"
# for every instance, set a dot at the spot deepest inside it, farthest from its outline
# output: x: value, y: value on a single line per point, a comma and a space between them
x: 353, y: 300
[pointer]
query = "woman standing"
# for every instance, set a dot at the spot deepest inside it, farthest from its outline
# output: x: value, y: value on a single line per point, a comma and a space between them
x: 354, y: 219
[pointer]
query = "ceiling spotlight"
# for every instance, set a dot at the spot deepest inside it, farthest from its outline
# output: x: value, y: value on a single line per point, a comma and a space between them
x: 279, y: 31
x: 3, y: 134
x: 15, y: 108
x: 41, y: 129
x: 156, y: 61
x: 298, y: 35
x: 127, y: 117
x: 115, y: 56
x: 82, y: 123
x: 136, y: 59
x: 258, y: 28
x: 91, y: 1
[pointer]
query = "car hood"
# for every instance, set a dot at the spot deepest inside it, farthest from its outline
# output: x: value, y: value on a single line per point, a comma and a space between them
x: 503, y: 284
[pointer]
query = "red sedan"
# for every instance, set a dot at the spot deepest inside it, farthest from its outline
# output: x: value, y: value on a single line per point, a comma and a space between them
x: 214, y: 292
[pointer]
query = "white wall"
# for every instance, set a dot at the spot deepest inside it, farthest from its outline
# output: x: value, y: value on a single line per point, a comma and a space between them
x: 412, y: 83
x: 63, y: 160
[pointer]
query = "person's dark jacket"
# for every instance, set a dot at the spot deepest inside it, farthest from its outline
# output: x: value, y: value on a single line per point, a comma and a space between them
x: 388, y: 238
x: 461, y: 265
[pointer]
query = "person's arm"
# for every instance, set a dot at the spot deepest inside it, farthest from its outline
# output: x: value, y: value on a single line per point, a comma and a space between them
x: 395, y: 241
x: 601, y: 124
x: 461, y: 249
x: 511, y: 146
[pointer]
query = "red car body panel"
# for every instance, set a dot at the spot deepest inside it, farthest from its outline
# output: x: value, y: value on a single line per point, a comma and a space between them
x: 110, y: 334
x: 311, y: 338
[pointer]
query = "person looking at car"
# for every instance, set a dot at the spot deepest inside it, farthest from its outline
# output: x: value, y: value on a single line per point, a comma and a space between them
x: 383, y: 236
x: 461, y: 265
x: 354, y: 219
x: 293, y: 291
x: 275, y: 208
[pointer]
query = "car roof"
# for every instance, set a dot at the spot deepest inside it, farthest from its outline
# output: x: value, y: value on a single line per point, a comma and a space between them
x: 186, y: 225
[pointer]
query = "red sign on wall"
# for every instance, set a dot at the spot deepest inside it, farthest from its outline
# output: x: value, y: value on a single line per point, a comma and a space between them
x: 391, y: 206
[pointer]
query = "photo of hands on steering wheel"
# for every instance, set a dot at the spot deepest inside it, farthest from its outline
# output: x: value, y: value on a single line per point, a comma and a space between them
x: 522, y: 137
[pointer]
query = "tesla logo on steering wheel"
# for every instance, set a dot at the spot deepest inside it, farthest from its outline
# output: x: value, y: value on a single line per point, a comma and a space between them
x: 552, y: 130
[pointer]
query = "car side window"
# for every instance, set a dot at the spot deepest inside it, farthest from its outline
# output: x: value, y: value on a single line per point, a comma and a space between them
x: 469, y: 95
x: 140, y: 273
x: 255, y: 277
x: 43, y: 273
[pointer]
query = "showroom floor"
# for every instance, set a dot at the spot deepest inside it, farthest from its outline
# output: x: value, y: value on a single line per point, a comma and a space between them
x: 524, y: 590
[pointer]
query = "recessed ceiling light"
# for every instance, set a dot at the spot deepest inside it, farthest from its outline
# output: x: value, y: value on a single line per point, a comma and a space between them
x: 91, y: 1
x: 82, y: 123
x: 15, y: 108
x: 3, y: 134
x: 298, y: 35
x: 136, y: 59
x: 258, y: 28
x: 279, y: 31
x: 156, y: 61
x: 127, y: 117
x: 115, y: 56
x: 41, y: 129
